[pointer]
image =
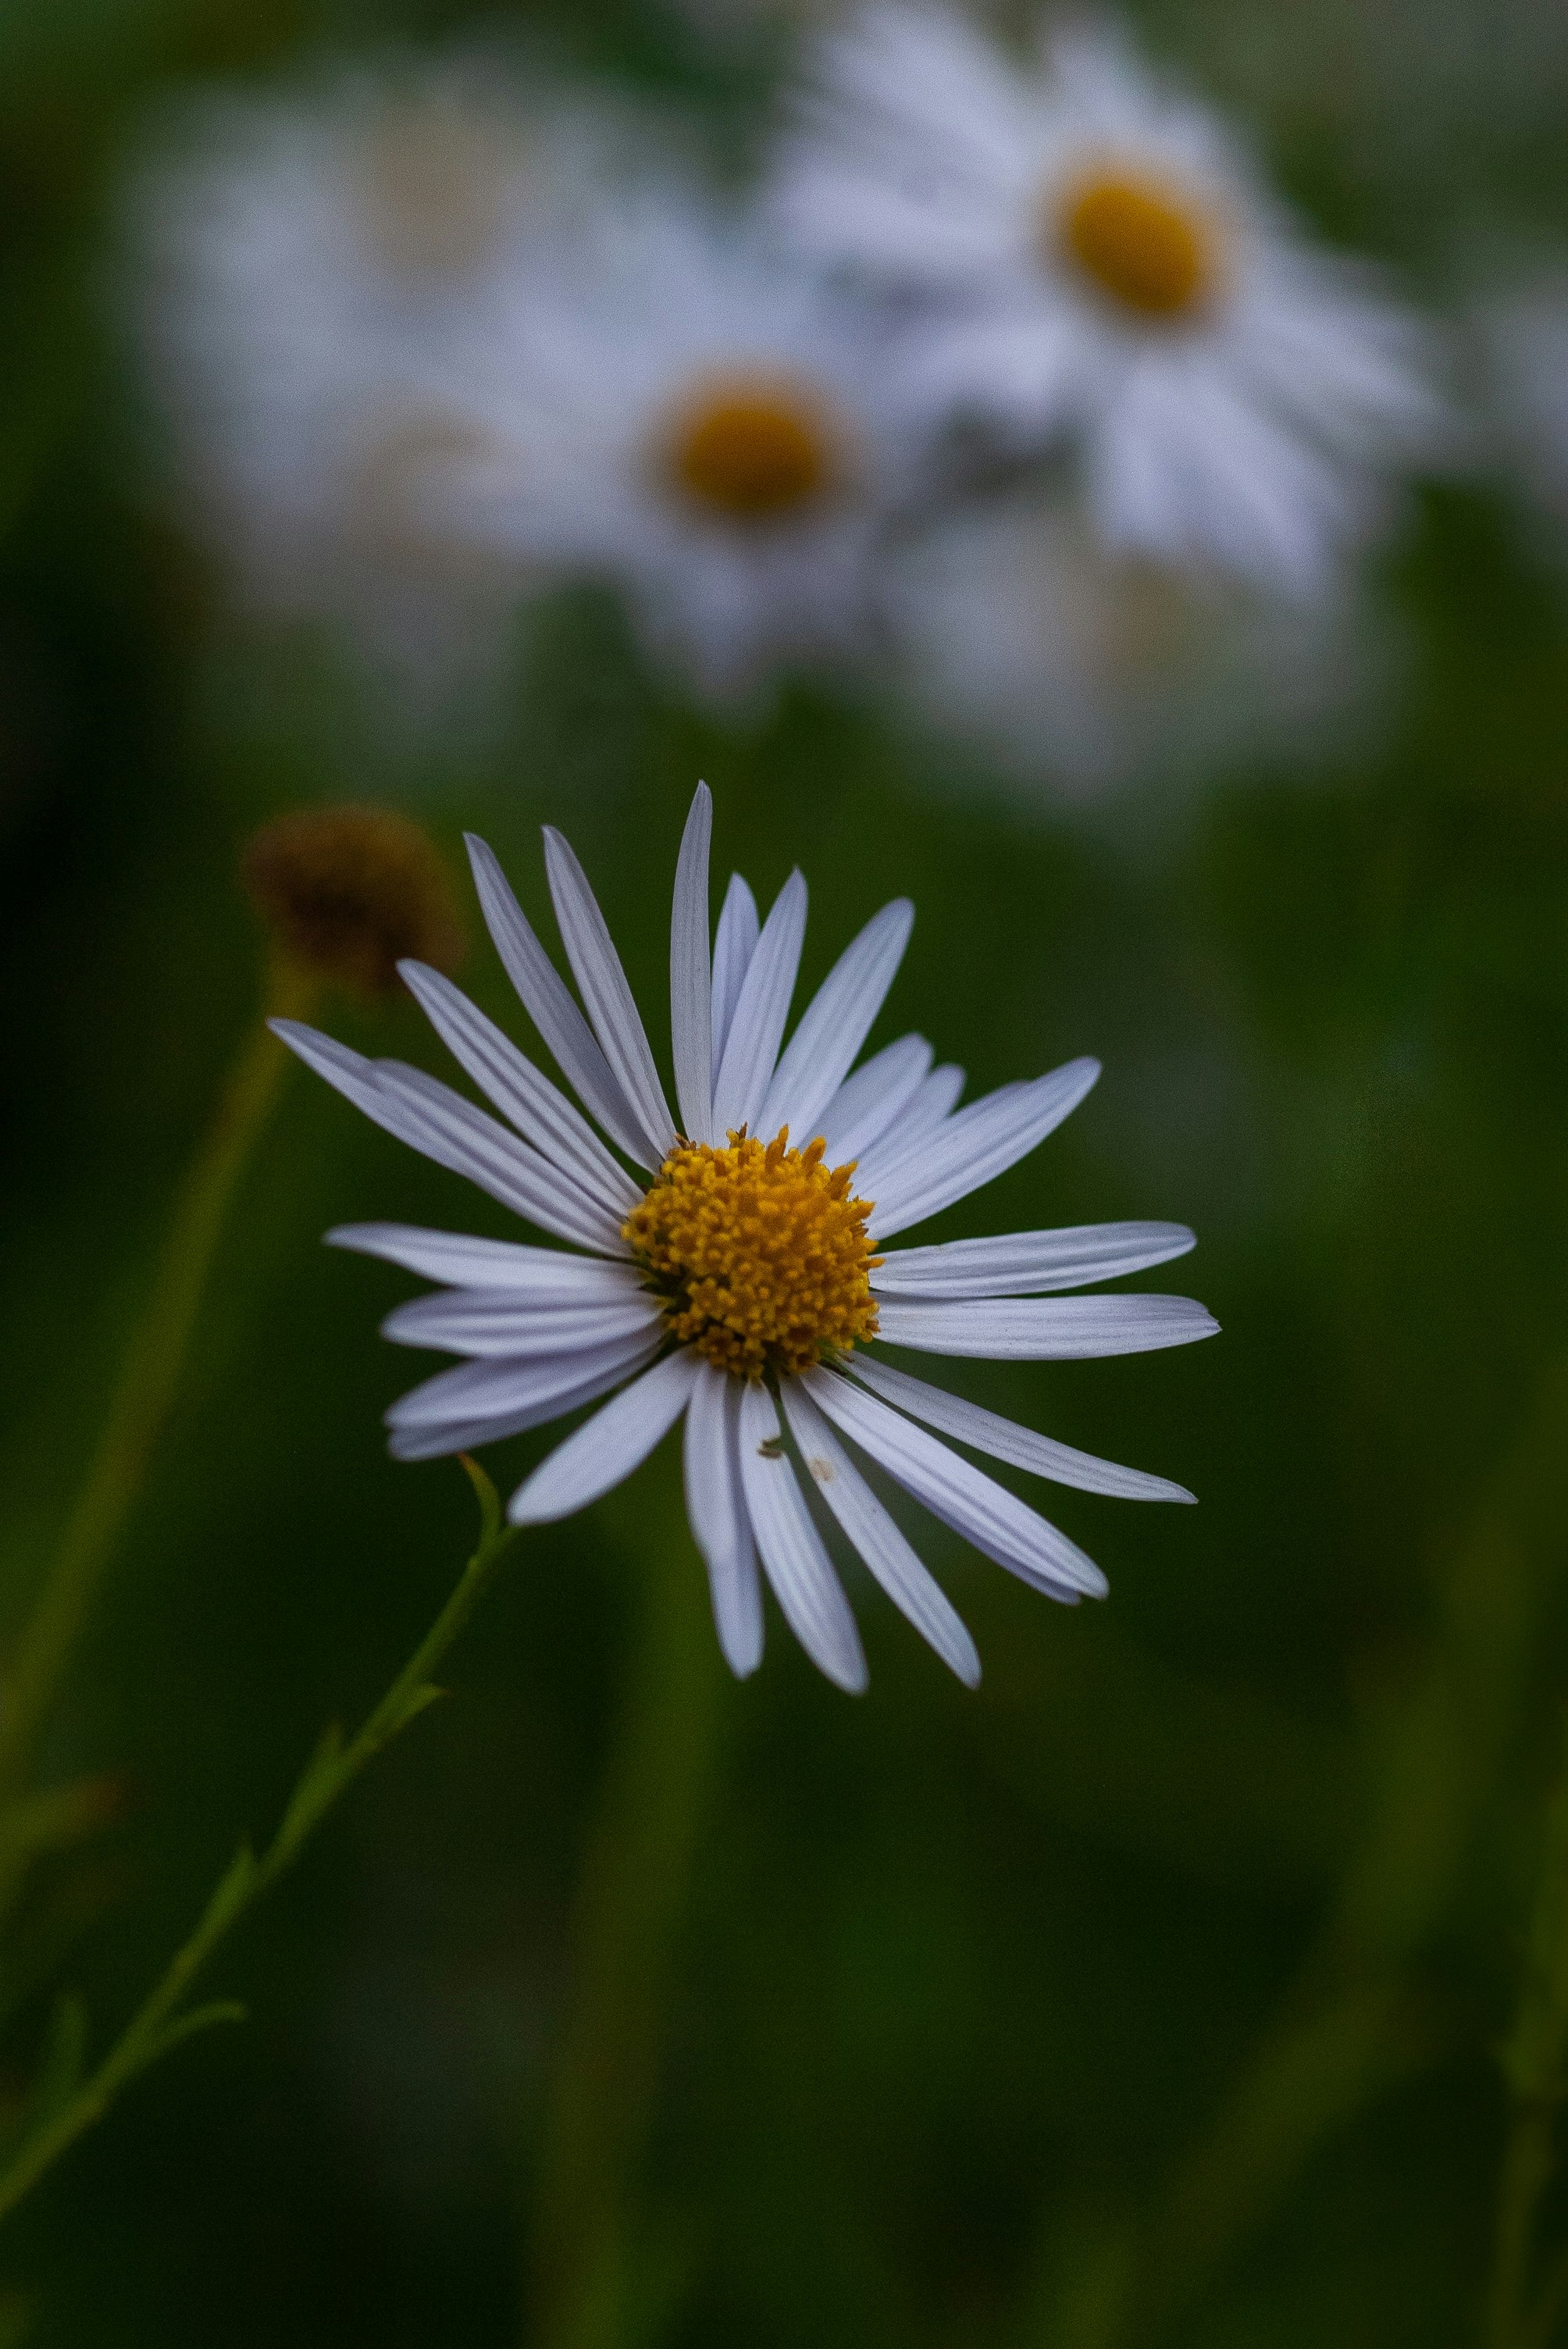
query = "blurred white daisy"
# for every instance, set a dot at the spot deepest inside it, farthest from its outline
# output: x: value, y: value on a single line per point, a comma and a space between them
x: 1078, y: 668
x: 736, y: 1277
x: 306, y: 261
x: 681, y: 409
x: 1097, y: 257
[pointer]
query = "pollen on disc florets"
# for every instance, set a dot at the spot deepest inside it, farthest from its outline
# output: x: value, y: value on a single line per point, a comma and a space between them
x: 1147, y: 246
x: 760, y: 1252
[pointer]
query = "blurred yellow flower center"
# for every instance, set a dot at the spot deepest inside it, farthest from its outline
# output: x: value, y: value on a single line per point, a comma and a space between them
x: 760, y: 1253
x: 1151, y: 250
x: 752, y: 451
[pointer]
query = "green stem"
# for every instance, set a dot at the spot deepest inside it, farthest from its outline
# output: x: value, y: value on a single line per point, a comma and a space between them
x: 163, y: 2020
x: 145, y: 1390
x: 1344, y: 2032
x: 627, y: 1913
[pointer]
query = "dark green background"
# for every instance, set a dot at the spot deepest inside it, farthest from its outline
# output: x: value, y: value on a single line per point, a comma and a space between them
x: 959, y: 1980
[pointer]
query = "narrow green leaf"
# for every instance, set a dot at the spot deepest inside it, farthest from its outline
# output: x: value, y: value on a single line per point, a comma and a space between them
x: 186, y: 2026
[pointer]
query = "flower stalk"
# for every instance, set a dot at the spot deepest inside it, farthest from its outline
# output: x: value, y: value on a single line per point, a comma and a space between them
x: 143, y: 1398
x: 66, y: 2105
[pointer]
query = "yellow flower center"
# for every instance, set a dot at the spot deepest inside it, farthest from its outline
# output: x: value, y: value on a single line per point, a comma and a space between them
x: 1151, y: 249
x: 752, y: 450
x: 760, y: 1253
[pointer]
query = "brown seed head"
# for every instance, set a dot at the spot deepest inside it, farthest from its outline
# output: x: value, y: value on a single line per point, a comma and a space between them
x: 348, y: 892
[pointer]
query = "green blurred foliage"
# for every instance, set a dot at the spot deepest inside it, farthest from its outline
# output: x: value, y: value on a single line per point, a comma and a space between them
x: 959, y: 1982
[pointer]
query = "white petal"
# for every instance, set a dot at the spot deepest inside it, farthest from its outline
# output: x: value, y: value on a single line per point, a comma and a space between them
x: 691, y: 979
x: 979, y: 1143
x: 987, y: 1431
x: 719, y: 1524
x: 732, y: 951
x: 930, y: 1107
x: 888, y: 1556
x: 797, y: 1565
x: 835, y: 1024
x: 485, y: 1323
x: 606, y: 996
x: 432, y: 1119
x: 1048, y: 1329
x: 866, y: 1104
x: 505, y: 1389
x: 439, y: 1438
x: 545, y: 1275
x: 542, y: 1114
x: 996, y: 1521
x: 547, y: 1000
x: 1021, y: 1264
x: 607, y: 1447
x: 746, y: 1071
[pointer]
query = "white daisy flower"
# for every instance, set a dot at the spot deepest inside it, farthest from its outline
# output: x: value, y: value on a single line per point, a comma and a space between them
x: 1078, y: 668
x: 684, y: 411
x: 735, y: 1279
x: 1097, y: 257
x: 306, y: 261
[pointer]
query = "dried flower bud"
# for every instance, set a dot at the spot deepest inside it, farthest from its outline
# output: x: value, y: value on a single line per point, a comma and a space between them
x: 348, y: 892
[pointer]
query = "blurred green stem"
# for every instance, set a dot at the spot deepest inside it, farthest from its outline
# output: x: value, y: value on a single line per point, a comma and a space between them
x: 70, y: 2106
x: 144, y: 1392
x: 627, y: 1912
x: 1350, y: 2026
x: 1535, y: 2066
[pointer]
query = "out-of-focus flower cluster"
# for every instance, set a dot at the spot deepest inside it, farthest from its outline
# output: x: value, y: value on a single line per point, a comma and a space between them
x: 1010, y: 385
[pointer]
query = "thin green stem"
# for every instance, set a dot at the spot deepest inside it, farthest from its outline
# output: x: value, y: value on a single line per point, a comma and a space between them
x: 583, y: 2285
x: 1349, y: 2027
x: 144, y: 1392
x: 163, y: 2018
